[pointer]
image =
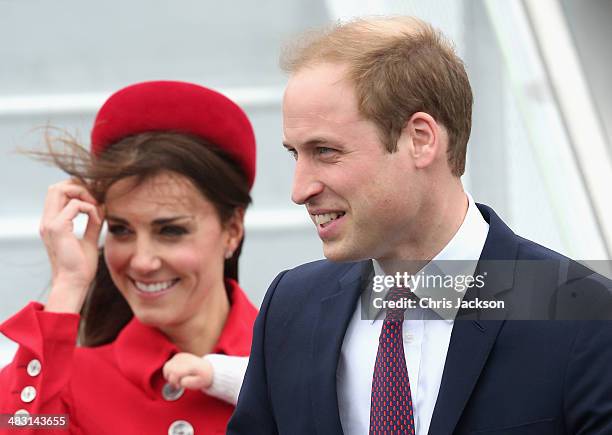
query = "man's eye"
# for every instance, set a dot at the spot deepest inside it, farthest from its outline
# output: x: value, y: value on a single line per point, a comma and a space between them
x: 324, y: 150
x: 173, y: 231
x: 292, y: 152
x: 118, y: 230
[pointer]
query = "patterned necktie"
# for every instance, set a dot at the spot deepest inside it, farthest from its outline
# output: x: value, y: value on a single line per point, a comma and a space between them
x: 391, y: 410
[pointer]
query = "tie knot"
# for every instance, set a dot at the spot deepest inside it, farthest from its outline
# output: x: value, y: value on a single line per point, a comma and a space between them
x: 397, y: 302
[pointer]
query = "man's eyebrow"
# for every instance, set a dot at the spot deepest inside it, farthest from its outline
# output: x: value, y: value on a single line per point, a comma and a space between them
x: 310, y: 143
x: 160, y: 221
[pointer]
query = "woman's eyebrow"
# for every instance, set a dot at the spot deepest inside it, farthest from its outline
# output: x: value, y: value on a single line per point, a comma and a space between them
x: 109, y: 217
x: 163, y: 221
x: 159, y: 221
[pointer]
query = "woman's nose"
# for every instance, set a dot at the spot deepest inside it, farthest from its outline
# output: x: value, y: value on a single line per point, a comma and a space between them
x: 145, y: 259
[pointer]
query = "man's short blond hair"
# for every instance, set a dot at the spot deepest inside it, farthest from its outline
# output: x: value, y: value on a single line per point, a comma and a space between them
x: 399, y: 66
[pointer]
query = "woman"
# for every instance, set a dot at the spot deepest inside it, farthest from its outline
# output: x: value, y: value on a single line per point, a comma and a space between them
x: 170, y: 170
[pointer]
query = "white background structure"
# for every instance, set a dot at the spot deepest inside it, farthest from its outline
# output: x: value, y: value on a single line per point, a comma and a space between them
x: 540, y: 146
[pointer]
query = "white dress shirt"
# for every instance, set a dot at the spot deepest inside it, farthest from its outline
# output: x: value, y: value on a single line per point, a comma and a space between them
x: 426, y: 341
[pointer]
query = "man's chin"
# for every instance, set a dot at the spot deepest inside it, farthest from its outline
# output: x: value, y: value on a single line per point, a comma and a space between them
x: 340, y: 254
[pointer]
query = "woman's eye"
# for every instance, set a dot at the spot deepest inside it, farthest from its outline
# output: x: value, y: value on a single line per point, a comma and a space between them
x: 118, y: 230
x: 173, y: 231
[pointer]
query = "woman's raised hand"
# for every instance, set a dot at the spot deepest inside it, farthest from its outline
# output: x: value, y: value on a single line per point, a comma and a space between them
x: 73, y: 260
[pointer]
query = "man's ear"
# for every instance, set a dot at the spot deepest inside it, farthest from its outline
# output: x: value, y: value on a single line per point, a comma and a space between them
x: 423, y: 135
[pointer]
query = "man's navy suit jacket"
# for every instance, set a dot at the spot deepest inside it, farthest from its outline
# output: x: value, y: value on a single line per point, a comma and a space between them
x: 500, y: 376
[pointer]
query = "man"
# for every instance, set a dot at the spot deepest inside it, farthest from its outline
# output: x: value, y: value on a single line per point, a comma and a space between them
x: 377, y: 113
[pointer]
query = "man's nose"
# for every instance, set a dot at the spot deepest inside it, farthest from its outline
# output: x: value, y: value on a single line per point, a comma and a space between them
x: 306, y: 184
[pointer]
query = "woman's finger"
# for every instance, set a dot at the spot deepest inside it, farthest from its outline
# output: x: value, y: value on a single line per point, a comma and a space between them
x: 76, y: 207
x: 58, y: 195
x: 63, y: 222
x: 94, y: 226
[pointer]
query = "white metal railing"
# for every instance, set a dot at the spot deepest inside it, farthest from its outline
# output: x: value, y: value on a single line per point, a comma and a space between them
x: 25, y: 228
x: 84, y: 103
x: 576, y: 106
x: 575, y: 195
x: 7, y: 351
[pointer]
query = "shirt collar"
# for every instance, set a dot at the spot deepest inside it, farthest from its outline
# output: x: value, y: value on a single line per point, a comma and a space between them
x: 466, y: 245
x: 141, y: 351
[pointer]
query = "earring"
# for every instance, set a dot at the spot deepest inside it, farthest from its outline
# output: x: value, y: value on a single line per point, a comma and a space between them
x: 228, y: 254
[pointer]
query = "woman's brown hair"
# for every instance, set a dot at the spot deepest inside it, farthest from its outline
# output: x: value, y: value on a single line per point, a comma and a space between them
x: 142, y: 156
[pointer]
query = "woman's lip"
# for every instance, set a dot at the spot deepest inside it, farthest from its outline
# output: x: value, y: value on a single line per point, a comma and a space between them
x: 157, y: 281
x: 153, y: 295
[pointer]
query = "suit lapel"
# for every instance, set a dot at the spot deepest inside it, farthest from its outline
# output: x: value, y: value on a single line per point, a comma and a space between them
x: 472, y: 340
x: 335, y: 312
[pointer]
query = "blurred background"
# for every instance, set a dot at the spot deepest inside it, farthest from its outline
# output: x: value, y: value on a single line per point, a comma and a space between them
x: 540, y: 150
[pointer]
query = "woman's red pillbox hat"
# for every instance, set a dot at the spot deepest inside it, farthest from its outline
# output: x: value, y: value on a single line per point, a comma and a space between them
x: 178, y: 107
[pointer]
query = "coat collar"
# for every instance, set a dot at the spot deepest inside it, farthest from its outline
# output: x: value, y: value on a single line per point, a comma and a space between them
x: 237, y: 334
x: 141, y: 351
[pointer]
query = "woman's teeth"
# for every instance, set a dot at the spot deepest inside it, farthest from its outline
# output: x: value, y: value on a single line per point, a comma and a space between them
x: 322, y: 219
x: 157, y: 287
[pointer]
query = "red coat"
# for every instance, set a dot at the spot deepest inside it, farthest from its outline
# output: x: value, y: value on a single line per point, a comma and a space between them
x: 110, y: 389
